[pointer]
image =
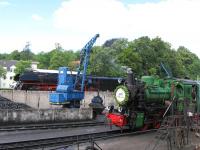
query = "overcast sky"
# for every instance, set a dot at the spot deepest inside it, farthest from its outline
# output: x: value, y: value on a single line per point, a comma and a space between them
x: 73, y: 22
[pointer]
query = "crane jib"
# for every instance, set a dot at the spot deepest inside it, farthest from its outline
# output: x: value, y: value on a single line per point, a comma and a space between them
x: 85, y: 54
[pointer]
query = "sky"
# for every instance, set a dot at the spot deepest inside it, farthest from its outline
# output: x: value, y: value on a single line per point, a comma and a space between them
x: 73, y: 22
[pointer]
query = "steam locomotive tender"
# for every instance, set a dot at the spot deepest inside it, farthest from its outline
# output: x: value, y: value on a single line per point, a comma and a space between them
x: 143, y: 103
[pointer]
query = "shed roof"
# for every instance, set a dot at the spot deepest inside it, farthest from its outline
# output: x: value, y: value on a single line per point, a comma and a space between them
x: 8, y: 63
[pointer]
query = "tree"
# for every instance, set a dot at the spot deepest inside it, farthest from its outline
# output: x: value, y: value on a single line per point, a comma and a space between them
x: 2, y: 72
x: 131, y: 59
x: 147, y: 53
x: 194, y: 70
x: 26, y: 54
x: 4, y: 56
x: 102, y: 63
x: 109, y: 43
x: 57, y: 60
x: 143, y: 55
x: 44, y: 60
x: 60, y: 58
x: 15, y: 55
x: 21, y: 66
x: 72, y: 59
x: 115, y: 46
x: 189, y: 61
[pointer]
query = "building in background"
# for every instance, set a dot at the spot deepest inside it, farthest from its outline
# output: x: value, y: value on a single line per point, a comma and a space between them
x: 10, y: 66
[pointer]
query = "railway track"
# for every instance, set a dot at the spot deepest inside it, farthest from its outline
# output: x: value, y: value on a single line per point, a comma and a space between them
x: 66, y: 141
x: 49, y: 126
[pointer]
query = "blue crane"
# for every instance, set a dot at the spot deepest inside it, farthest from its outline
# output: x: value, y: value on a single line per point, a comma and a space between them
x: 67, y: 93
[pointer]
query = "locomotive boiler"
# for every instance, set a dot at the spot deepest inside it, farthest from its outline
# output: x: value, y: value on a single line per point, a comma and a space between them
x: 143, y: 103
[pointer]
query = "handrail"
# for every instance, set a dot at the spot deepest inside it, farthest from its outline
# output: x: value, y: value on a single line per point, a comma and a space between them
x: 169, y: 106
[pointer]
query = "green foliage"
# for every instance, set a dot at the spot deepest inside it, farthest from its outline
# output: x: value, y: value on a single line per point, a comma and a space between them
x: 189, y: 61
x: 152, y: 71
x: 2, y: 72
x: 56, y: 60
x: 21, y: 66
x: 60, y: 58
x: 26, y: 55
x: 44, y: 60
x: 4, y: 56
x: 15, y: 55
x: 102, y: 63
x: 130, y: 58
x: 143, y: 55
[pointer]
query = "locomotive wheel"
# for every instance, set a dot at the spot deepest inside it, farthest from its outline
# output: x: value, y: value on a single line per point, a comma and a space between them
x: 156, y: 125
x: 145, y: 127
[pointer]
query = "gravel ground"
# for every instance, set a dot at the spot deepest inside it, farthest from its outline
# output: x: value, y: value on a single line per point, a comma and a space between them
x: 138, y: 142
x: 8, y: 104
x: 135, y: 142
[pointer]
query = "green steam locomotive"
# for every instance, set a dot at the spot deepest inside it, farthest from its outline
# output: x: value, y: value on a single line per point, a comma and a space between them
x: 143, y: 103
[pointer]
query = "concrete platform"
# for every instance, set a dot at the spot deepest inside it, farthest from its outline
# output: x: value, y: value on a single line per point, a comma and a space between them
x: 10, y: 116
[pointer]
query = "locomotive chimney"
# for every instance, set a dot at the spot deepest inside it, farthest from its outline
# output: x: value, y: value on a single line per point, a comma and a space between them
x: 130, y: 78
x: 131, y: 83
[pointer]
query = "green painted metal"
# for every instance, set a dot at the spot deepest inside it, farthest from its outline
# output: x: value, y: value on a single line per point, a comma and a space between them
x: 148, y: 79
x: 180, y: 105
x: 156, y: 90
x: 139, y: 120
x: 160, y: 90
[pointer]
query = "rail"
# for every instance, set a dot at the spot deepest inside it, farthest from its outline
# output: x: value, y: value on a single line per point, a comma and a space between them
x: 49, y: 126
x: 66, y: 141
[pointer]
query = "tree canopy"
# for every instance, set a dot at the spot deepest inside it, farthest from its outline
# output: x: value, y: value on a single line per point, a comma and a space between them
x: 21, y: 66
x: 143, y: 55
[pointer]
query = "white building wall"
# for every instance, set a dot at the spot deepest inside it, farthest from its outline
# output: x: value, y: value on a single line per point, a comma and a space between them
x: 8, y: 81
x: 34, y: 65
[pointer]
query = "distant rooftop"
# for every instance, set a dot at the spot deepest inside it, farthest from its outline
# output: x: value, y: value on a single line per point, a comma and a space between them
x: 8, y: 63
x: 52, y: 71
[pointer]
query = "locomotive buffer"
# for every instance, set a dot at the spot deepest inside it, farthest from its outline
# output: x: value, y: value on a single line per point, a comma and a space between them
x: 67, y: 91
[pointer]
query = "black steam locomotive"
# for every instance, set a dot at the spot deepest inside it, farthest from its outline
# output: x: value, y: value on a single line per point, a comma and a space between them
x: 46, y: 80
